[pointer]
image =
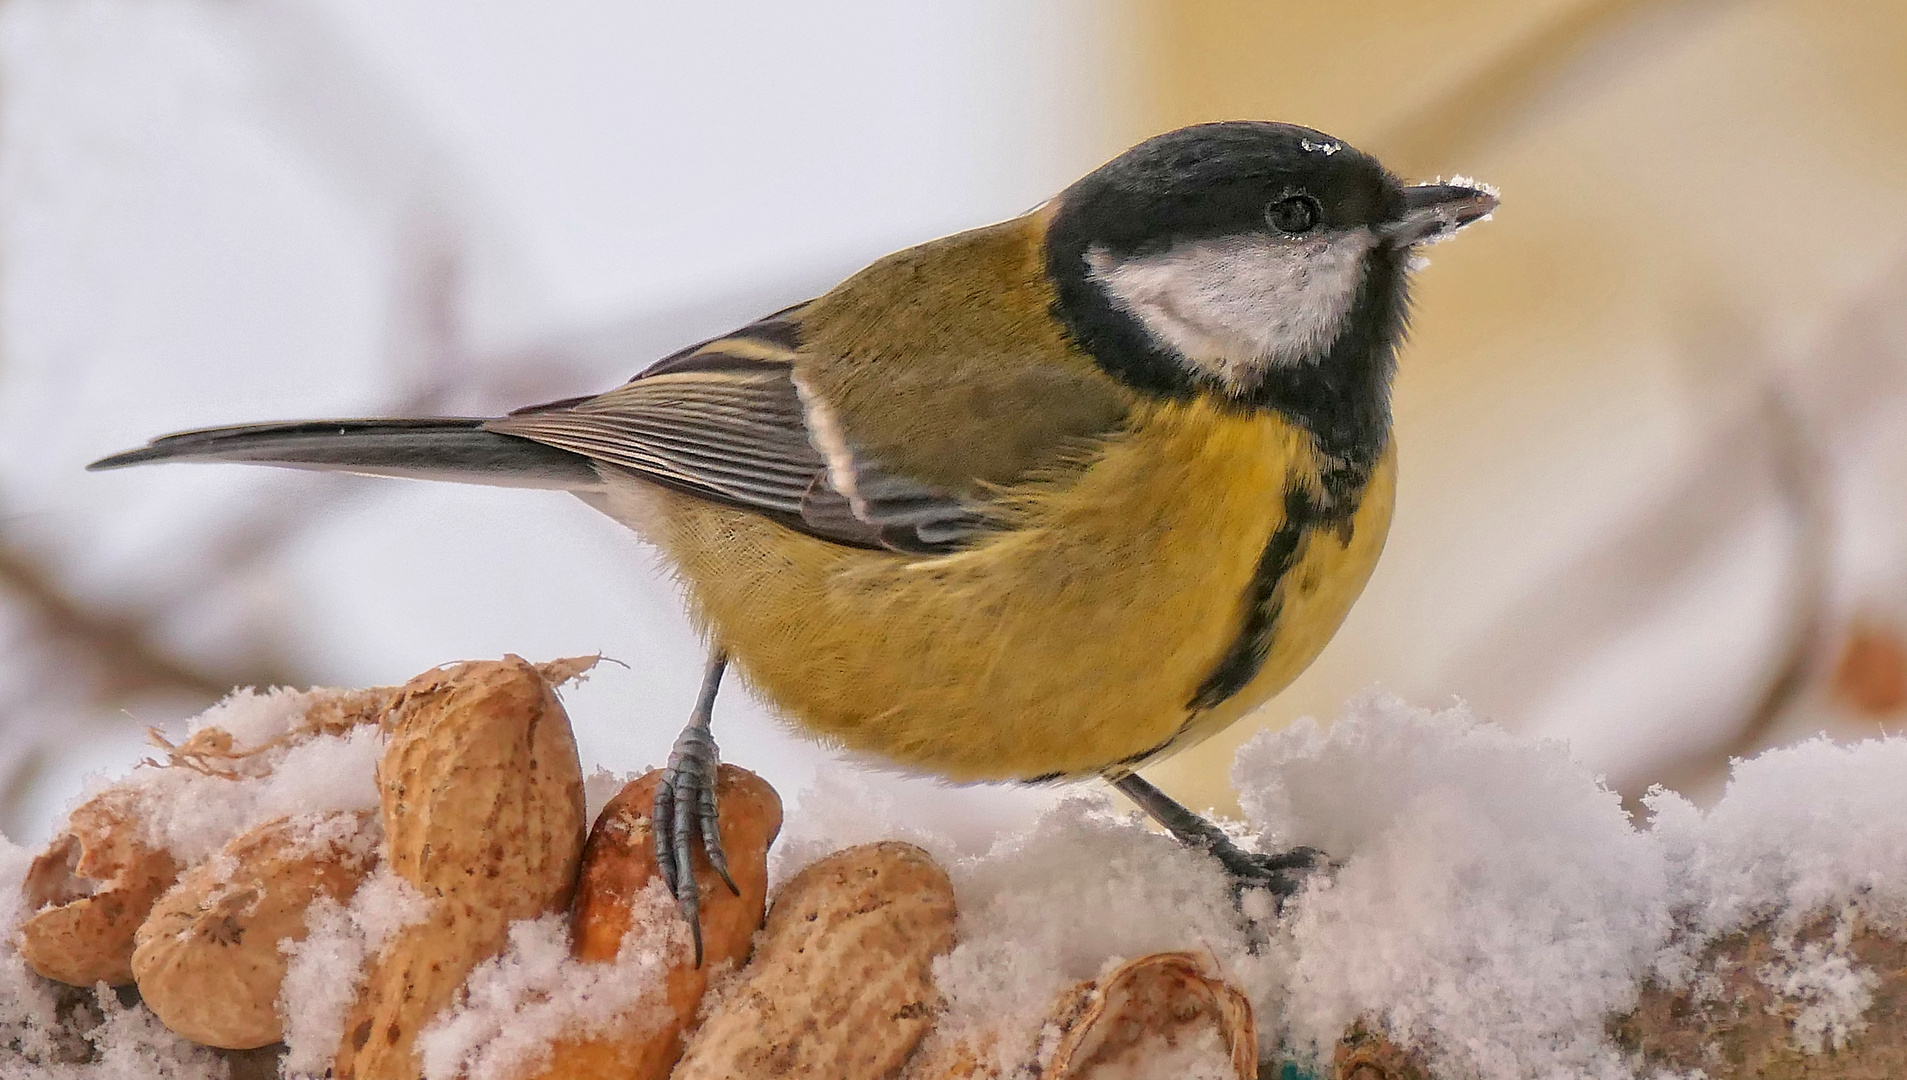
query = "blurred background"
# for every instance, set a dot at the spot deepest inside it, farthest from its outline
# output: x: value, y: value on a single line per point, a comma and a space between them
x: 1652, y: 419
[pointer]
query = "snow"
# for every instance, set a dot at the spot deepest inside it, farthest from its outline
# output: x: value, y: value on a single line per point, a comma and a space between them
x: 1459, y: 180
x: 517, y: 1004
x: 29, y: 1019
x: 193, y: 813
x: 253, y: 718
x: 1832, y: 993
x: 1495, y: 904
x: 130, y: 1042
x: 1494, y: 896
x: 327, y: 967
x: 1799, y: 830
x: 1811, y: 829
x: 1489, y: 901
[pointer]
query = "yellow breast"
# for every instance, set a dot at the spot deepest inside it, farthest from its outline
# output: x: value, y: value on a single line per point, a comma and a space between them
x: 1068, y: 645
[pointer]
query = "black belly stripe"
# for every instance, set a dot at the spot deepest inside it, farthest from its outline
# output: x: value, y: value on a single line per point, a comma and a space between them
x: 1248, y: 650
x: 1306, y: 516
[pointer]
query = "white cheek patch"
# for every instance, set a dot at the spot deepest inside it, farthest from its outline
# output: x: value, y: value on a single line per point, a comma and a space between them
x: 1237, y: 306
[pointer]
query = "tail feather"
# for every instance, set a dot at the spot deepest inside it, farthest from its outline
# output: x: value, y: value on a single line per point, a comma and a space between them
x: 444, y: 448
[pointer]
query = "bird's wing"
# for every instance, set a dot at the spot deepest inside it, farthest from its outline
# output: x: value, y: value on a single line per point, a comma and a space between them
x: 724, y: 421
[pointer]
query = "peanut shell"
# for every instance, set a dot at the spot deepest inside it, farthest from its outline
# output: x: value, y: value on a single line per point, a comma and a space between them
x: 1114, y: 1025
x: 208, y: 962
x: 89, y: 891
x: 1152, y: 1000
x: 841, y: 984
x: 482, y: 798
x: 619, y: 862
x: 98, y: 879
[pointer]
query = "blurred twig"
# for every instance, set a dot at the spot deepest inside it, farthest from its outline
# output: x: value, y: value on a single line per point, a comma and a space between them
x: 1582, y: 609
x: 121, y: 651
x: 1801, y: 478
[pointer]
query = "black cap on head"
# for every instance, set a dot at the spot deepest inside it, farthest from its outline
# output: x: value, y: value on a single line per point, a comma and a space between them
x: 1218, y: 179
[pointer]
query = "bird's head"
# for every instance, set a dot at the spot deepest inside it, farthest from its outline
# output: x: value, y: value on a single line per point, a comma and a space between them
x: 1210, y: 257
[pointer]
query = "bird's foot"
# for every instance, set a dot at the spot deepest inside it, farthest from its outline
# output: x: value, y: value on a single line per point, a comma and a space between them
x: 685, y: 819
x: 1281, y: 873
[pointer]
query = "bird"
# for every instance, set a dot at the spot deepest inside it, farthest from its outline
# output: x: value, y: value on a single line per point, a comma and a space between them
x: 1041, y: 501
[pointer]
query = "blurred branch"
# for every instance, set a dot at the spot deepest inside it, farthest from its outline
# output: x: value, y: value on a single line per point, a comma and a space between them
x: 123, y: 652
x: 1801, y: 477
x: 1821, y: 413
x: 1637, y: 566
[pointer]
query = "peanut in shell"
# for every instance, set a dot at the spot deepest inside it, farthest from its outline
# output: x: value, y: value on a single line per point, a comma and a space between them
x: 841, y: 985
x: 482, y: 798
x: 619, y: 863
x: 208, y: 959
x: 1116, y: 1025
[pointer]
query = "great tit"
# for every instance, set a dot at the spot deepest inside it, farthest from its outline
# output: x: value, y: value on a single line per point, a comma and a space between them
x: 1045, y: 500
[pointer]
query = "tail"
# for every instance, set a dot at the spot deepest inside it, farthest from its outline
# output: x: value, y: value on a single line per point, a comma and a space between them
x: 447, y: 448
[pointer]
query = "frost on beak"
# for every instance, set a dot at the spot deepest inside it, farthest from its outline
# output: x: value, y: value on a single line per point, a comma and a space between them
x: 1434, y: 212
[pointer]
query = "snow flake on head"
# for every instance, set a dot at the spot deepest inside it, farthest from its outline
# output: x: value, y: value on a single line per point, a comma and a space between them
x: 1327, y: 148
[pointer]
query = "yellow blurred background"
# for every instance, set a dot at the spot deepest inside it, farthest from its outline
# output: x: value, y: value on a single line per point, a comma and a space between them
x: 1652, y: 418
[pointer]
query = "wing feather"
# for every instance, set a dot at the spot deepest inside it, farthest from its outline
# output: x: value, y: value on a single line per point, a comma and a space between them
x: 723, y: 420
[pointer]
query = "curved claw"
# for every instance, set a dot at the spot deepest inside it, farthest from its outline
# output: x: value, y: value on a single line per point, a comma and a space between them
x: 711, y: 831
x: 684, y: 816
x: 663, y: 817
x: 673, y: 848
x: 681, y: 849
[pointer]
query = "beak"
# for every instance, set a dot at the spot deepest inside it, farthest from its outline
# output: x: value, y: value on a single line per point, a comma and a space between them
x: 1434, y: 211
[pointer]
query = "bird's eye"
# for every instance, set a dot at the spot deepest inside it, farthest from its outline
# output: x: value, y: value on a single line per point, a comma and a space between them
x: 1298, y: 214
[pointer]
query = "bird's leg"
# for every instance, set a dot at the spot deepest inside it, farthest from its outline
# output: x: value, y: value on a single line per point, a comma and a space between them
x: 1280, y: 873
x: 685, y: 806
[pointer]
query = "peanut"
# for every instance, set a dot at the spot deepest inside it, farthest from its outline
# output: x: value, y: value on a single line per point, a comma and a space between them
x: 208, y: 961
x: 89, y: 891
x: 619, y: 862
x: 841, y: 985
x: 482, y: 798
x: 1114, y: 1024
